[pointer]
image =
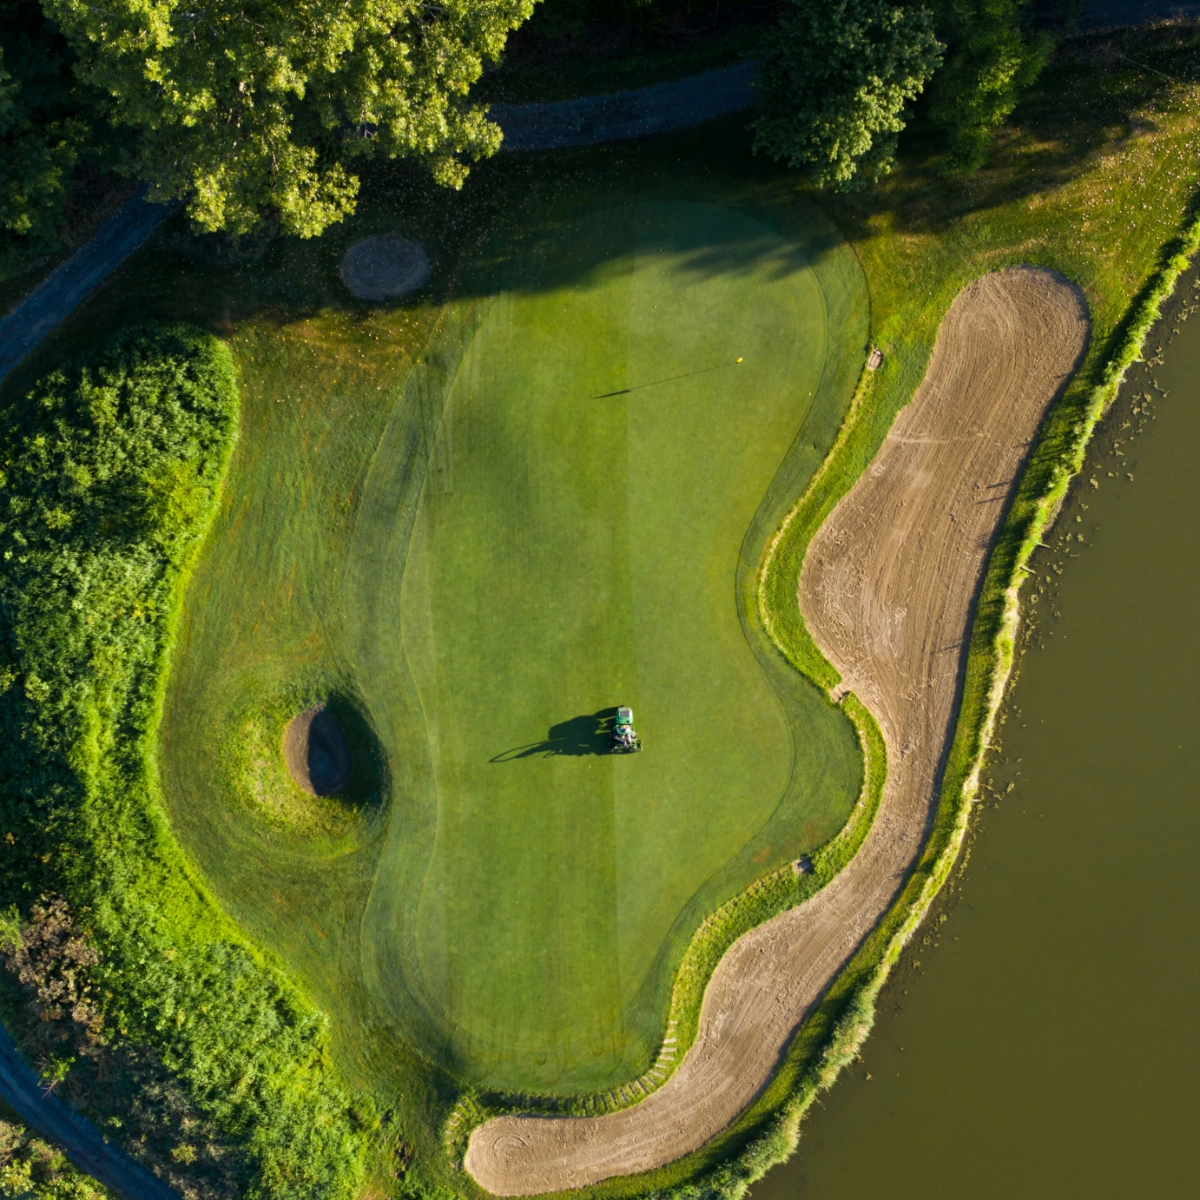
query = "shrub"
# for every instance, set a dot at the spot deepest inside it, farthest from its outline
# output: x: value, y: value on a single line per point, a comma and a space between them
x: 991, y: 59
x: 30, y: 1169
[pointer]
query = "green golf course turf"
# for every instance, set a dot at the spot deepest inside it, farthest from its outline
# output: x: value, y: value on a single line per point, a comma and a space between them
x: 558, y: 507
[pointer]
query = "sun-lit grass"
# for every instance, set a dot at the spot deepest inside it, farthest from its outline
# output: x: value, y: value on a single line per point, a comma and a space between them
x: 1096, y: 177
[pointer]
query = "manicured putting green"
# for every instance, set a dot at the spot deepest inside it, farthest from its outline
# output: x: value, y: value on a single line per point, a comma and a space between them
x: 477, y: 526
x: 610, y: 433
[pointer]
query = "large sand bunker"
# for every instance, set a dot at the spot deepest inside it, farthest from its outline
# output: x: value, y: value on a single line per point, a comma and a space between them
x: 314, y: 747
x: 887, y: 591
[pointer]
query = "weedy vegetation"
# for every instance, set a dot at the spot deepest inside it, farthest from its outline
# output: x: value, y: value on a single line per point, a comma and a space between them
x: 32, y: 1169
x: 112, y: 467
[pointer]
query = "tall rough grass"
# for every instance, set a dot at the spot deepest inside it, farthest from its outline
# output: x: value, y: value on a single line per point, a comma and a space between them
x: 111, y: 474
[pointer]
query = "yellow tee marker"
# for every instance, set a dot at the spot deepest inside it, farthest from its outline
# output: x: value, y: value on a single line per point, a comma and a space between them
x: 739, y: 360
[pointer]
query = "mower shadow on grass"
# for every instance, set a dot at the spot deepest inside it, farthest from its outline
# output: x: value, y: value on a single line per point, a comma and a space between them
x: 590, y: 733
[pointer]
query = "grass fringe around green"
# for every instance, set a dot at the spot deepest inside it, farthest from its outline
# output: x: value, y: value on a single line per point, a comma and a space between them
x: 765, y: 898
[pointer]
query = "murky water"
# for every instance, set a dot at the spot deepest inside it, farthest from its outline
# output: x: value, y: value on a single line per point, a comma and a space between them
x: 1047, y: 1044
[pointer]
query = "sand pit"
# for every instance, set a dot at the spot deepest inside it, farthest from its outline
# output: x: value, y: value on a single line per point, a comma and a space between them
x: 380, y: 267
x: 314, y: 747
x: 887, y: 591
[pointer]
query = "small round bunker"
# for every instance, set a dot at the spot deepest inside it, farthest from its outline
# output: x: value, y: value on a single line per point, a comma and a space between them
x: 316, y: 752
x: 383, y: 266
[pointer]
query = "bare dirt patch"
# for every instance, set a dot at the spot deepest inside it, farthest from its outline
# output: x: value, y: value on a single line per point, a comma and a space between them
x: 887, y: 591
x: 315, y: 750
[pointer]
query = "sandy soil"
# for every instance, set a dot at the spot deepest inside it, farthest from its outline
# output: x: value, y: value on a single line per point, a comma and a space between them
x: 887, y: 590
x: 315, y: 750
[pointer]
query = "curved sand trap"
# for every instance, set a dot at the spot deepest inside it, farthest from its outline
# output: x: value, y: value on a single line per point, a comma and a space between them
x: 316, y: 753
x: 377, y: 268
x: 887, y: 590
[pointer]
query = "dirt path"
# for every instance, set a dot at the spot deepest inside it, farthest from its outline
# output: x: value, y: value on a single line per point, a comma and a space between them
x: 623, y: 116
x: 55, y: 1120
x: 887, y: 591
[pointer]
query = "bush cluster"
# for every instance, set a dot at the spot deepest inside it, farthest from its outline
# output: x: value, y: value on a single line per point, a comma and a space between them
x: 839, y: 78
x: 122, y: 1085
x: 111, y: 470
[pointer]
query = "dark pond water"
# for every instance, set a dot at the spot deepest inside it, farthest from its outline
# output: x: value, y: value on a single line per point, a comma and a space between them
x: 1044, y: 1042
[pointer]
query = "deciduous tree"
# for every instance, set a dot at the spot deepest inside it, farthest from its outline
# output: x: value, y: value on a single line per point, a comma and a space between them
x: 992, y: 56
x: 248, y: 109
x: 836, y: 77
x: 41, y: 129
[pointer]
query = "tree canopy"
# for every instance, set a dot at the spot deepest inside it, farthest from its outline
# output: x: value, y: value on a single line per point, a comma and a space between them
x: 264, y: 111
x: 242, y: 107
x: 41, y: 130
x: 247, y: 110
x: 836, y: 77
x: 992, y: 57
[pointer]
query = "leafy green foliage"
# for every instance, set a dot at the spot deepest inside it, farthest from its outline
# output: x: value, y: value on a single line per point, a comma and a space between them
x: 111, y: 469
x: 836, y: 77
x: 991, y: 59
x: 250, y: 110
x: 121, y: 1085
x: 41, y: 130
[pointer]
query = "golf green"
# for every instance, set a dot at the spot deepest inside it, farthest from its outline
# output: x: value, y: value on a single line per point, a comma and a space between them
x: 563, y: 510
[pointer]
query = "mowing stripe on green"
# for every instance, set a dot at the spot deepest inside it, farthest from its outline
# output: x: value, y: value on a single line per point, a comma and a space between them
x: 558, y: 508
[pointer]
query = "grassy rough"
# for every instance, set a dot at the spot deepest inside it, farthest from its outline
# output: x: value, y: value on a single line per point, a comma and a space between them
x: 258, y: 775
x: 111, y: 472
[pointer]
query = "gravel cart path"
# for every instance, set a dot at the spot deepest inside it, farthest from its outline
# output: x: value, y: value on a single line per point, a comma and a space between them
x: 57, y: 1121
